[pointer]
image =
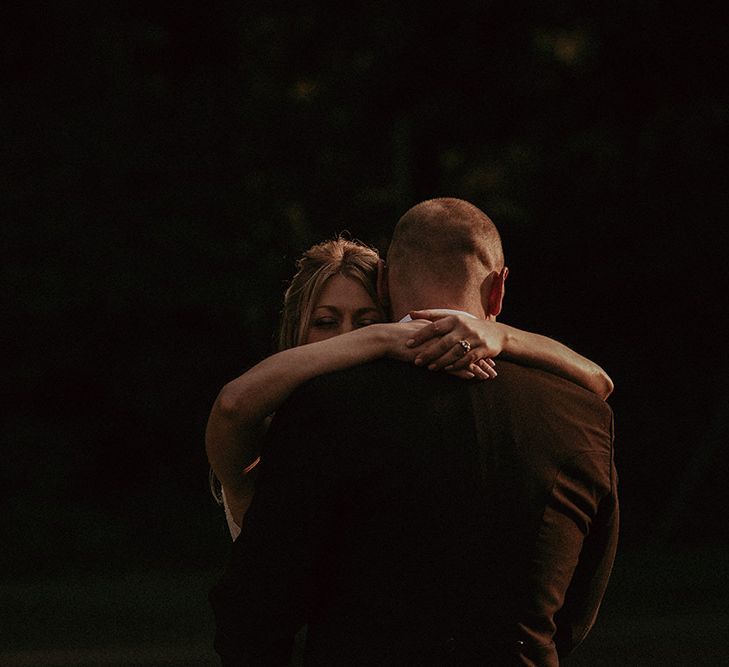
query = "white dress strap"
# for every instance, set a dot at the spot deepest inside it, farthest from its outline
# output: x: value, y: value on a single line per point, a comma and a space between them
x: 233, y: 527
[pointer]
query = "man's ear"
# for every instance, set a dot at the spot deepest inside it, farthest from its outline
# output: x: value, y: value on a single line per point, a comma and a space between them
x: 383, y: 287
x: 494, y: 299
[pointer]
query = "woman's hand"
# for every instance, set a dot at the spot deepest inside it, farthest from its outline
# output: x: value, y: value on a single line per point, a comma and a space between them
x: 398, y: 335
x: 438, y: 345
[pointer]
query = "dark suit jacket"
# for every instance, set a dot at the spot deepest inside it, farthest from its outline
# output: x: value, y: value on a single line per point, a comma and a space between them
x: 411, y: 518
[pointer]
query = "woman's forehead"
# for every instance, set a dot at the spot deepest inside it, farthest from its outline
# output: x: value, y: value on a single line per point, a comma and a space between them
x: 343, y: 290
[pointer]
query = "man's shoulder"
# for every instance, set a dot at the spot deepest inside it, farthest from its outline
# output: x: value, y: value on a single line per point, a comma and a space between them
x: 521, y: 386
x: 340, y: 411
x: 536, y: 381
x: 351, y: 388
x: 358, y: 378
x: 380, y: 393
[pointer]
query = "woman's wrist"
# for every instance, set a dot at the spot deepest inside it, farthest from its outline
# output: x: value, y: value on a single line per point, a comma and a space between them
x: 507, y: 338
x: 385, y: 338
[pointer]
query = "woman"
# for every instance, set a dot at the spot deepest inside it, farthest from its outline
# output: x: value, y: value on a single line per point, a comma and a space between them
x: 332, y: 320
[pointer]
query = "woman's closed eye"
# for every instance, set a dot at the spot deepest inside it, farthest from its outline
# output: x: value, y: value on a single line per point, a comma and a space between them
x: 324, y: 322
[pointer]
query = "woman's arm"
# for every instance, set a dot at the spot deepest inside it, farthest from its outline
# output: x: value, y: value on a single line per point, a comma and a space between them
x: 489, y: 338
x: 239, y: 416
x: 550, y: 355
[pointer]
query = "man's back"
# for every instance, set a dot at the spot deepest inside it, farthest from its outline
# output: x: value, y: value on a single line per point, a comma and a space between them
x: 411, y: 518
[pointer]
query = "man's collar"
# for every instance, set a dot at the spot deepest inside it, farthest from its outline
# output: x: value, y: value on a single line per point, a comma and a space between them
x: 449, y: 311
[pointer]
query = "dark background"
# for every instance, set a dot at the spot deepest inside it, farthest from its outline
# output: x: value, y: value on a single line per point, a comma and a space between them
x: 164, y: 167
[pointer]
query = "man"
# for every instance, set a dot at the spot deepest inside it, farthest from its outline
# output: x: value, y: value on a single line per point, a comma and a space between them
x: 411, y: 518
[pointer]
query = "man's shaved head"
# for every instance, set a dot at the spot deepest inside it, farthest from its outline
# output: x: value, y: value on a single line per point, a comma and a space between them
x: 446, y: 244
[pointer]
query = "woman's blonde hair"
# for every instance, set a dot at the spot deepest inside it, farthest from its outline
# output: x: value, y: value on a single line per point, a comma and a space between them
x: 349, y: 258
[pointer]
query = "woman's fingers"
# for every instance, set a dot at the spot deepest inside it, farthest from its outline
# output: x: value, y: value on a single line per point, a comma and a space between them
x: 456, y: 359
x: 432, y: 315
x: 447, y: 352
x: 464, y: 360
x: 440, y: 352
x: 486, y: 364
x: 479, y: 372
x: 444, y: 345
x: 435, y: 329
x: 488, y: 367
x: 464, y: 375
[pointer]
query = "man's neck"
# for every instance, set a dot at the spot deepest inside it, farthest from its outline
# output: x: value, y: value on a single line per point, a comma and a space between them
x: 445, y: 311
x: 401, y: 310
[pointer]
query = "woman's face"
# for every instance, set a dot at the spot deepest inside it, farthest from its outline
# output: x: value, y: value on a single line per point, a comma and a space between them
x: 343, y: 305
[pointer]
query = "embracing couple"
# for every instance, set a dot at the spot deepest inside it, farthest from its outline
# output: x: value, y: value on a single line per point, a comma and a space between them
x: 412, y: 502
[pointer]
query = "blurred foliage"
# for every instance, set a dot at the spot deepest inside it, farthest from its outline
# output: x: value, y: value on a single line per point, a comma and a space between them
x: 166, y: 165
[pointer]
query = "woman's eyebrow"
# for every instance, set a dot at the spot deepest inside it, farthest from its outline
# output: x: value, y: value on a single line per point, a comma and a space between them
x: 332, y: 308
x: 357, y: 313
